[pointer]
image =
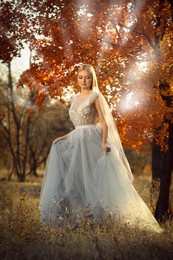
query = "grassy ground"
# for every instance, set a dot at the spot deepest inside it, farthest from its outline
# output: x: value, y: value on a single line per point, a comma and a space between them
x: 22, y: 237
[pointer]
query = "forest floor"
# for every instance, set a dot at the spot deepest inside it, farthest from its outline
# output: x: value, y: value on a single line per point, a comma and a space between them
x: 22, y: 237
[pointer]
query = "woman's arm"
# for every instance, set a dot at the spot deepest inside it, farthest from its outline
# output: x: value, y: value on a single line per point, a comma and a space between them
x: 64, y: 137
x: 104, y: 126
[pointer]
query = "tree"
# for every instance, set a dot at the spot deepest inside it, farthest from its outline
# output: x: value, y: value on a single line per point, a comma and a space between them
x: 159, y: 35
x: 27, y: 131
x: 12, y: 127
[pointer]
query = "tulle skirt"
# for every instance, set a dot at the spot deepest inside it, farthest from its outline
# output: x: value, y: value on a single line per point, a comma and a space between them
x: 81, y: 180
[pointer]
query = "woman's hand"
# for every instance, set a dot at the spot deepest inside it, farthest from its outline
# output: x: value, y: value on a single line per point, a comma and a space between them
x: 59, y: 139
x: 106, y: 148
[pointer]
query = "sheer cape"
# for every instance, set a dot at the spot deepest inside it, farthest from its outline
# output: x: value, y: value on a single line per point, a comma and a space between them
x: 113, y: 135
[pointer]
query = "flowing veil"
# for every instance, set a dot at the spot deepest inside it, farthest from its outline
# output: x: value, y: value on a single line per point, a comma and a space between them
x: 113, y: 135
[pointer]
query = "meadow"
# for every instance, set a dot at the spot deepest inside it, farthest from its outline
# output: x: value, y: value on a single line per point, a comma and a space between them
x: 22, y: 236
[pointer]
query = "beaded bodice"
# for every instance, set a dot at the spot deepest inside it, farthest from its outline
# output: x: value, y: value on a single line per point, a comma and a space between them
x: 85, y: 113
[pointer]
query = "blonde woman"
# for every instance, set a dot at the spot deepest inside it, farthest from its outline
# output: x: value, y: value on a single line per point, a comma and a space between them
x: 87, y: 170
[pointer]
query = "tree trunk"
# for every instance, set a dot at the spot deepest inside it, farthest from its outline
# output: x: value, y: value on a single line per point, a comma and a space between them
x: 12, y: 114
x: 21, y: 177
x: 162, y: 209
x: 158, y: 161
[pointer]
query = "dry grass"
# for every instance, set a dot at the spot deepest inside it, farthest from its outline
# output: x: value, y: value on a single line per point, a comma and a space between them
x: 22, y: 237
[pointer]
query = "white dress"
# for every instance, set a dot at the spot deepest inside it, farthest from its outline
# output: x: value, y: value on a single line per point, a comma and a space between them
x: 80, y: 180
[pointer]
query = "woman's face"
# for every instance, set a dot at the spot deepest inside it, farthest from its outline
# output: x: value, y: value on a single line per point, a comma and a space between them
x: 85, y: 79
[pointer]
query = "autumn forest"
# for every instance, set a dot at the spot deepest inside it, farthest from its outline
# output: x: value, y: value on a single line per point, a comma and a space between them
x: 129, y: 43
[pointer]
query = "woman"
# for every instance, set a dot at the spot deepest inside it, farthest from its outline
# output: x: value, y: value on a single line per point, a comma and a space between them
x: 87, y: 173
